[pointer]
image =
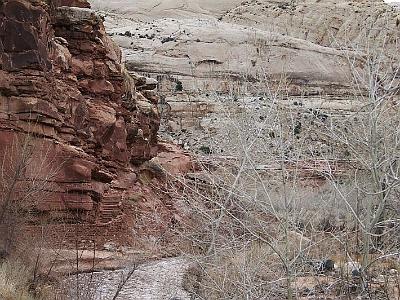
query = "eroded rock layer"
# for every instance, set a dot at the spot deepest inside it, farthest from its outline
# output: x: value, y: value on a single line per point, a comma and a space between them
x: 86, y: 125
x: 217, y: 60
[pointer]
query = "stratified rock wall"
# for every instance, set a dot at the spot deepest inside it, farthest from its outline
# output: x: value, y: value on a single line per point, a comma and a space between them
x: 63, y: 89
x: 219, y: 59
x: 330, y: 23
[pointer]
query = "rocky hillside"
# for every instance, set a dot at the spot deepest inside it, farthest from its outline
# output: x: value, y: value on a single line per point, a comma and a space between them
x: 231, y: 42
x: 73, y: 118
x: 329, y: 23
x: 64, y: 90
x: 213, y: 59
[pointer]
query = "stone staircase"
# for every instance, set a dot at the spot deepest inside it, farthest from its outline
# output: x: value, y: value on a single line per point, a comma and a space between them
x: 110, y: 210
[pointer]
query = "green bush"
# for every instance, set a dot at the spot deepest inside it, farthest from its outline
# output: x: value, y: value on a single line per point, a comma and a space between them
x: 179, y: 86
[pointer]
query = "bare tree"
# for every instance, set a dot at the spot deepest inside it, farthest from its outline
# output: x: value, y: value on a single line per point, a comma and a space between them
x: 251, y: 209
x: 256, y: 196
x: 371, y: 136
x: 26, y: 170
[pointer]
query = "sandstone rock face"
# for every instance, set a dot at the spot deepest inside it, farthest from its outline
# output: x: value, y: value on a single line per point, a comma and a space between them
x: 329, y: 23
x: 231, y: 46
x: 212, y: 56
x: 219, y: 58
x: 64, y: 91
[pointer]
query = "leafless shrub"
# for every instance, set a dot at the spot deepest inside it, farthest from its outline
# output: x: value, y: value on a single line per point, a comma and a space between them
x: 309, y: 188
x: 24, y: 177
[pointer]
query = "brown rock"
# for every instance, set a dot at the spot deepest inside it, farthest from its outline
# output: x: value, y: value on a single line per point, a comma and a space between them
x: 125, y: 181
x: 77, y: 201
x: 61, y: 57
x: 72, y: 3
x: 18, y: 37
x: 173, y: 160
x: 62, y: 82
x: 82, y: 67
x: 99, y: 86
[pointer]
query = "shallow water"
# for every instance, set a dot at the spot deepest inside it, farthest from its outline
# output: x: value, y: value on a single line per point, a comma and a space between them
x: 159, y: 280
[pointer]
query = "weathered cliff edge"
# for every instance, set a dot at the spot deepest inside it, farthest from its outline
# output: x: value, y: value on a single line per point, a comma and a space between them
x: 232, y: 46
x: 215, y: 59
x: 62, y: 83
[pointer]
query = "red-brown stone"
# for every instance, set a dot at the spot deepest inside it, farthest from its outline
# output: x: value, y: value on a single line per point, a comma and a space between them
x: 61, y: 80
x: 72, y: 3
x: 63, y: 94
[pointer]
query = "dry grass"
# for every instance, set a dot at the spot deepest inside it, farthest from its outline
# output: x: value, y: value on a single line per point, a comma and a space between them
x: 247, y: 273
x: 15, y: 281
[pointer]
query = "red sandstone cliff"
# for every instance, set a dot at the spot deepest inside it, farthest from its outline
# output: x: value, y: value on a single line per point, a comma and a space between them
x: 62, y: 82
